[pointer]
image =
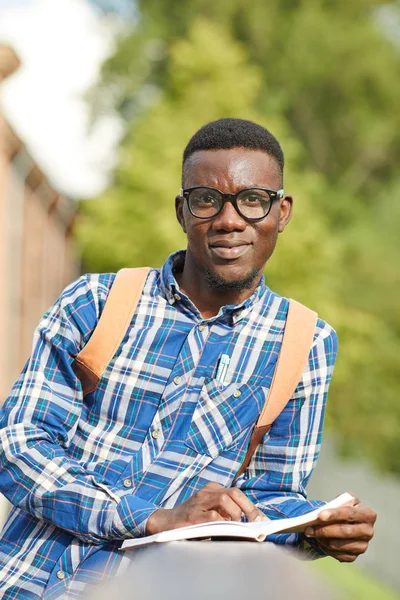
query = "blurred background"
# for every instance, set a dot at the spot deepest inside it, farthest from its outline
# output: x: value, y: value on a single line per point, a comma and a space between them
x: 98, y: 100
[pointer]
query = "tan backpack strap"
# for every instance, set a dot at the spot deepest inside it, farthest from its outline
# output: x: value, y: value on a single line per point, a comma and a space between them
x: 111, y: 328
x: 292, y: 359
x: 296, y: 345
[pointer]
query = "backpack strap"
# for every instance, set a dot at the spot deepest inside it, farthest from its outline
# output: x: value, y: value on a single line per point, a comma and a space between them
x: 111, y: 327
x: 296, y: 344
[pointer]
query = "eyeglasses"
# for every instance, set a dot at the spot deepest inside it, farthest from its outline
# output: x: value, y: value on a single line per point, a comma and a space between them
x: 253, y: 204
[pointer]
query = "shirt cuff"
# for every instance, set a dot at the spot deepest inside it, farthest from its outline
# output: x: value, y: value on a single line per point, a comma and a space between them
x: 131, y: 518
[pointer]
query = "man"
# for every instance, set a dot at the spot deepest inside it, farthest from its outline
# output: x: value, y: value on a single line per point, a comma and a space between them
x: 158, y: 444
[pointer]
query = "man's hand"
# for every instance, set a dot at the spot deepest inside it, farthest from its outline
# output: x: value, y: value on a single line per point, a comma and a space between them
x: 212, y: 503
x: 345, y: 532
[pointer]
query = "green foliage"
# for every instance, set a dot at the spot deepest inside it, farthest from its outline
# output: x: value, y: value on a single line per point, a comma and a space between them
x: 350, y: 582
x: 325, y: 80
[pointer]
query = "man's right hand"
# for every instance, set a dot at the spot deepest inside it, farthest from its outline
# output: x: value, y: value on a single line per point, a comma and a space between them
x: 211, y: 503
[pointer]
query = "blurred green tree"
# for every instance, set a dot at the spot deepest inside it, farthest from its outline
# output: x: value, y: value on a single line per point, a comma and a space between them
x: 325, y: 80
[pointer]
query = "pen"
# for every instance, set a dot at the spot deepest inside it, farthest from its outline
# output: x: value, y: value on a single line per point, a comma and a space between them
x: 223, y: 364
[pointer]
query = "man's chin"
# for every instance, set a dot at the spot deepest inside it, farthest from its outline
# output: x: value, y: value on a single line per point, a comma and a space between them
x: 218, y: 282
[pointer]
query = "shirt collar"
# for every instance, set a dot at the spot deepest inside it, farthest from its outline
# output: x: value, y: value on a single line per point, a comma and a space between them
x: 170, y: 289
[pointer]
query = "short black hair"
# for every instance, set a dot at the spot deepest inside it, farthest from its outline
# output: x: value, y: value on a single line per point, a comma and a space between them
x: 227, y: 133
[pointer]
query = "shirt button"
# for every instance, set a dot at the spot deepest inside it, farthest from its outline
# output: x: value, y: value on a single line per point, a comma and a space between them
x: 177, y: 297
x: 177, y: 380
x: 155, y: 433
x: 60, y: 575
x: 127, y: 483
x: 237, y: 393
x: 202, y: 327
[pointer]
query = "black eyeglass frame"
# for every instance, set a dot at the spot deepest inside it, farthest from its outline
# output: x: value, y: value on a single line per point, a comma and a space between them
x: 273, y: 195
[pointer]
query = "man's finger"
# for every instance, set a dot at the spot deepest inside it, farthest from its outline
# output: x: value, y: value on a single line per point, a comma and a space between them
x: 348, y: 514
x: 250, y: 510
x: 343, y: 546
x: 203, y: 516
x: 227, y: 507
x: 343, y: 557
x: 344, y: 531
x: 211, y: 486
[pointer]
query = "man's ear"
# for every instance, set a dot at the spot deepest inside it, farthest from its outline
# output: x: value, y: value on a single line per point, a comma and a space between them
x: 286, y: 208
x: 179, y: 204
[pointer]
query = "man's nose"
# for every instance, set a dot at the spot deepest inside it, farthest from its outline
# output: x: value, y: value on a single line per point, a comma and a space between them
x: 229, y: 219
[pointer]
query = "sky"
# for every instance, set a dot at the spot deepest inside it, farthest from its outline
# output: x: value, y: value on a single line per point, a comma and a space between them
x: 62, y: 44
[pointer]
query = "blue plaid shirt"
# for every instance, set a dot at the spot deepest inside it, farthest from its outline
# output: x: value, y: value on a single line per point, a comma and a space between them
x: 85, y: 473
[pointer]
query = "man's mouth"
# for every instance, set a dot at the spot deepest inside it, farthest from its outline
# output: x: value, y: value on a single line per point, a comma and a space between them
x: 229, y: 250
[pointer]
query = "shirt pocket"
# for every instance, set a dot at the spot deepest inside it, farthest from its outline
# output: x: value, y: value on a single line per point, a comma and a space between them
x: 223, y: 414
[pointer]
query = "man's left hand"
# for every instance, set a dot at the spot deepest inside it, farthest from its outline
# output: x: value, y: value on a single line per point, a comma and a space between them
x: 345, y: 532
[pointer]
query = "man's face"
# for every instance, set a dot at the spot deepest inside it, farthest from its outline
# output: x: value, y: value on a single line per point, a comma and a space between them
x: 230, y: 251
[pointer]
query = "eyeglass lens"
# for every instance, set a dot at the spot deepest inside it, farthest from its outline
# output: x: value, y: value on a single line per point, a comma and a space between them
x: 252, y: 204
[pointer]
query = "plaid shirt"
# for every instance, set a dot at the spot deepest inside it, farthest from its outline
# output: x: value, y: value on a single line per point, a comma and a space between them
x: 85, y: 473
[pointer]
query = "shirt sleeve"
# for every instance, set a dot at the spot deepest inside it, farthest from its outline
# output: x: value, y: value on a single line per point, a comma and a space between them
x: 278, y: 473
x: 37, y: 425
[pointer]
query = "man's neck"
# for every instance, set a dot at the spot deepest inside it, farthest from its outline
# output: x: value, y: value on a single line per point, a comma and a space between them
x: 206, y: 299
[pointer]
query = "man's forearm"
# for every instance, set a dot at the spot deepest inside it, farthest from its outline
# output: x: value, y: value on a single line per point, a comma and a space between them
x: 39, y: 477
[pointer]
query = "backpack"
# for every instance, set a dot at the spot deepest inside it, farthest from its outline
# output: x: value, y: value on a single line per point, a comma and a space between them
x: 91, y: 362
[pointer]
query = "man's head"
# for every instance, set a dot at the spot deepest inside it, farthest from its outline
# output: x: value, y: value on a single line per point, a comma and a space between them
x: 228, y: 133
x: 228, y: 250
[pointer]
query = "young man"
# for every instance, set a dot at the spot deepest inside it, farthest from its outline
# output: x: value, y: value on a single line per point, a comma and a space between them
x: 159, y: 442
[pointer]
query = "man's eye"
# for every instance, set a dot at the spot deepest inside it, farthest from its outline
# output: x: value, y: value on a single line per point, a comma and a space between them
x: 206, y: 200
x: 252, y: 200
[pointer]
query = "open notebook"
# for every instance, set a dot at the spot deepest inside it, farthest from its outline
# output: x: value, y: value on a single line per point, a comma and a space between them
x: 236, y: 529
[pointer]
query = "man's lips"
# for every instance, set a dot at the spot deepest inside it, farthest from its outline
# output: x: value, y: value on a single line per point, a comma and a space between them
x: 229, y: 250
